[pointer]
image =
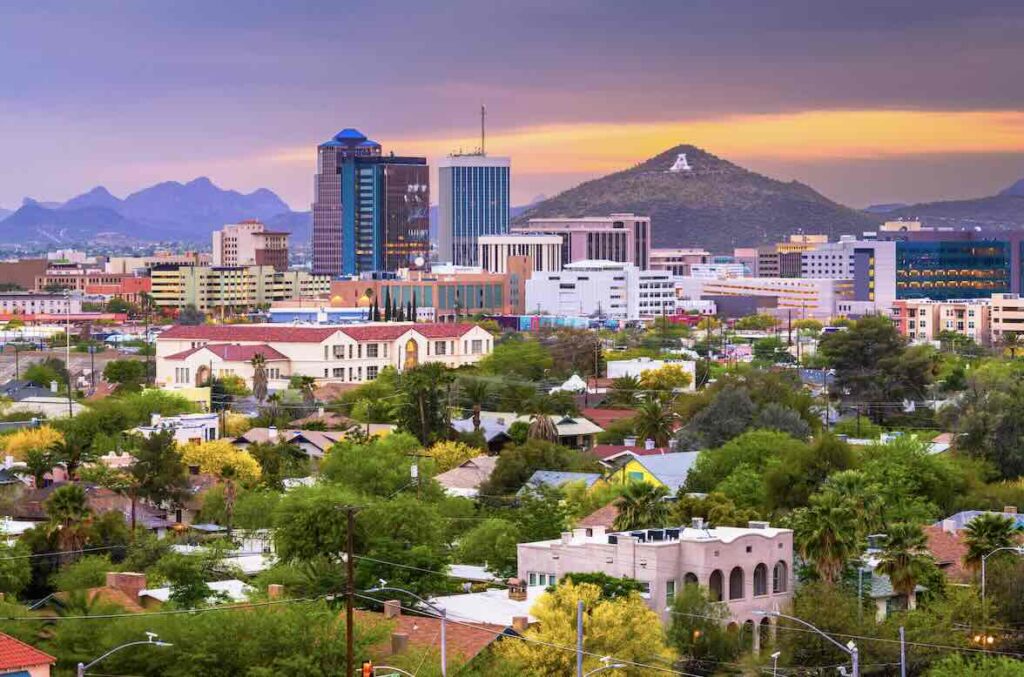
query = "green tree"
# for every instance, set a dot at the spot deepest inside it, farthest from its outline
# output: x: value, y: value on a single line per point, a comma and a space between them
x: 69, y: 518
x: 72, y: 451
x: 905, y: 558
x: 190, y: 315
x: 874, y: 366
x: 779, y: 417
x: 653, y: 421
x: 729, y: 414
x: 697, y: 630
x: 755, y: 449
x: 771, y: 350
x: 799, y: 471
x: 129, y: 375
x: 825, y: 535
x: 958, y: 665
x: 379, y: 468
x: 715, y: 508
x: 43, y: 372
x: 38, y: 462
x: 986, y: 533
x: 611, y: 586
x: 88, y: 572
x: 310, y: 523
x: 410, y: 533
x: 575, y: 351
x: 189, y: 576
x: 761, y: 322
x: 491, y: 543
x: 623, y: 392
x: 517, y: 463
x: 423, y: 408
x: 517, y: 357
x: 15, y: 568
x: 278, y: 462
x: 642, y: 505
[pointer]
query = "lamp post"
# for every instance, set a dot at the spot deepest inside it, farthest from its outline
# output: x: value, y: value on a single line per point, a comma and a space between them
x: 984, y: 558
x: 608, y: 665
x: 850, y: 648
x: 775, y: 663
x: 151, y: 639
x: 384, y: 587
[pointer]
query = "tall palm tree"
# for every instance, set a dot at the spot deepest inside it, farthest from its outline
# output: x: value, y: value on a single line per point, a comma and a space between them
x: 477, y: 391
x: 69, y: 518
x: 542, y: 425
x: 259, y: 377
x: 72, y: 451
x: 1011, y: 342
x: 987, y: 532
x: 38, y: 462
x: 826, y: 534
x: 227, y: 476
x: 623, y: 391
x: 307, y: 387
x: 654, y: 422
x: 905, y: 558
x: 642, y: 505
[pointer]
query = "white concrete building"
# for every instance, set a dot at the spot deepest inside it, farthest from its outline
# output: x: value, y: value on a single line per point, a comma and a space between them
x: 187, y: 356
x: 493, y: 251
x: 718, y: 271
x: 805, y: 298
x: 602, y: 289
x: 187, y: 428
x: 639, y: 366
x: 870, y: 265
x: 20, y: 303
x: 678, y: 261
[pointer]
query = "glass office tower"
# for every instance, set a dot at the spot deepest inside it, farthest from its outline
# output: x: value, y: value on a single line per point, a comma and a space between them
x: 473, y: 201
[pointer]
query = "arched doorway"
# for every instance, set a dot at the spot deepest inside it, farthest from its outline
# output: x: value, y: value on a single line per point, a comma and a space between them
x: 780, y: 577
x: 412, y: 353
x: 715, y: 586
x: 760, y: 580
x: 736, y: 583
x: 690, y: 579
x: 202, y: 375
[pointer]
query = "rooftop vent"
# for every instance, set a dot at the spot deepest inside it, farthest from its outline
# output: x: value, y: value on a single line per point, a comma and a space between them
x: 756, y: 524
x: 697, y: 522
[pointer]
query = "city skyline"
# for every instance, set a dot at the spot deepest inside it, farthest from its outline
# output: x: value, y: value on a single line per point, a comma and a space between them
x: 866, y: 104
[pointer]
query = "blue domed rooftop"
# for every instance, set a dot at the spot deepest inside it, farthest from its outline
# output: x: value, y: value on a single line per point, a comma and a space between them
x: 349, y: 134
x: 350, y: 138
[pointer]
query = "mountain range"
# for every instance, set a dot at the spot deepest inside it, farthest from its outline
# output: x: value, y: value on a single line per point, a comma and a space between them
x: 185, y: 212
x: 703, y: 201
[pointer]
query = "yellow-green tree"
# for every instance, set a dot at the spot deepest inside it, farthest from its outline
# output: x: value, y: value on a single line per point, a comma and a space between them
x: 448, y: 455
x: 20, y: 442
x: 623, y: 628
x: 213, y: 457
x: 666, y: 379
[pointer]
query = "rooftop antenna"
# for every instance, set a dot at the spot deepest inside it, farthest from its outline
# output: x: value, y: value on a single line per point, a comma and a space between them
x: 483, y: 129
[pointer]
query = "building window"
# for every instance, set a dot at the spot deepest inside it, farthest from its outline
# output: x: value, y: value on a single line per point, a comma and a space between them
x: 440, y: 347
x: 372, y: 349
x: 780, y: 577
x: 339, y: 372
x: 760, y: 580
x: 371, y: 373
x: 670, y: 592
x: 736, y: 583
x: 533, y: 579
x: 645, y: 589
x: 478, y: 346
x: 715, y: 586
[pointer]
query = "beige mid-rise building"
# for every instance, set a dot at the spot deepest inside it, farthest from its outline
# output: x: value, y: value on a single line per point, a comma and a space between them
x: 1007, y: 315
x: 249, y: 243
x: 232, y: 287
x: 923, y: 320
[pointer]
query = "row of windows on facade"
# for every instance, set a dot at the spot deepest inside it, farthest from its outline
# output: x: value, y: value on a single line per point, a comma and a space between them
x: 354, y: 373
x: 716, y: 589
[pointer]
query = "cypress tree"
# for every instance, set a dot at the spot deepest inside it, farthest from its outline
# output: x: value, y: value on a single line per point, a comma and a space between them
x: 415, y: 314
x: 387, y: 305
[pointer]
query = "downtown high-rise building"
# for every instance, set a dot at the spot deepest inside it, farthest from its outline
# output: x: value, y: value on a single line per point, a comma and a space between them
x: 473, y: 201
x: 370, y: 211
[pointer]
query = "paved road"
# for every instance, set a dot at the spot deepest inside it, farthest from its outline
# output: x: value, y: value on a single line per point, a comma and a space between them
x: 80, y: 362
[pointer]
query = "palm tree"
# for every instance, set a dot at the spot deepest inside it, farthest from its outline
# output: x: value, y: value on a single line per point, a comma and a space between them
x: 623, y: 391
x: 905, y: 559
x: 542, y: 424
x: 70, y: 517
x: 642, y: 505
x: 1011, y: 342
x: 477, y: 391
x: 259, y: 376
x: 227, y: 475
x: 38, y: 462
x: 826, y: 534
x: 987, y: 532
x: 653, y: 422
x: 307, y: 388
x: 72, y: 451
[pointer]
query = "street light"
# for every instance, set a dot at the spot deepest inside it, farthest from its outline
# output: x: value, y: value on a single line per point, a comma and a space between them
x: 608, y: 665
x: 850, y: 648
x: 984, y: 558
x: 151, y: 639
x: 384, y: 587
x: 775, y: 663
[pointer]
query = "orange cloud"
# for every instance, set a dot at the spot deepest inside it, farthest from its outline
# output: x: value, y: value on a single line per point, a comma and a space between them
x: 810, y: 135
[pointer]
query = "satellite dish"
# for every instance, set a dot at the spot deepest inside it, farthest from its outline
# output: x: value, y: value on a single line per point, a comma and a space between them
x: 419, y: 261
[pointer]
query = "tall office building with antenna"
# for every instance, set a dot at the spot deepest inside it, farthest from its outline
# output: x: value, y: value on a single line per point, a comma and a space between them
x: 473, y: 200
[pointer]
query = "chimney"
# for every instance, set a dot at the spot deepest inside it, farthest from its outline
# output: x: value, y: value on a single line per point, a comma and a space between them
x: 399, y: 642
x: 949, y: 526
x: 392, y: 608
x: 1010, y: 509
x: 566, y: 537
x: 648, y: 444
x: 275, y: 591
x: 127, y: 582
x: 520, y: 623
x: 517, y: 589
x: 697, y: 522
x: 53, y: 386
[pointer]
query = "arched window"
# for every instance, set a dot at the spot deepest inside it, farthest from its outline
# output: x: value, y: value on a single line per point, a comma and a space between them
x: 690, y: 579
x: 760, y: 580
x: 766, y: 632
x: 780, y: 577
x: 747, y: 636
x: 736, y: 583
x: 715, y: 586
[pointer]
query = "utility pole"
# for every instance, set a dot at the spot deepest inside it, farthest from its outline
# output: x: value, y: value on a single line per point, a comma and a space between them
x: 903, y: 653
x: 67, y: 347
x: 579, y: 638
x: 350, y: 557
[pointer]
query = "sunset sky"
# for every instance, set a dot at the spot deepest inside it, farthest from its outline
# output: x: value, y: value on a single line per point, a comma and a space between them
x: 870, y: 101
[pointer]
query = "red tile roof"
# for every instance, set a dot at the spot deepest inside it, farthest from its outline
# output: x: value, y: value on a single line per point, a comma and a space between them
x: 271, y: 333
x: 465, y: 640
x: 232, y: 352
x: 16, y: 654
x: 250, y: 332
x: 949, y: 550
x: 602, y: 517
x: 605, y: 417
